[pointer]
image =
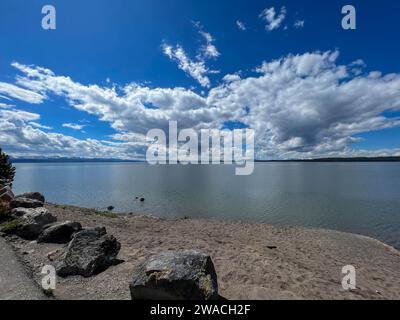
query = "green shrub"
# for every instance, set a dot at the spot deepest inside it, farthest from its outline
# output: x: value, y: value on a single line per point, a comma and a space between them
x: 9, y: 226
x: 7, y: 170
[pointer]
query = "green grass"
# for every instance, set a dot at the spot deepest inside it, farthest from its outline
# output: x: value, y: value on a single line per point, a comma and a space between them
x: 62, y: 206
x: 105, y: 214
x: 9, y: 226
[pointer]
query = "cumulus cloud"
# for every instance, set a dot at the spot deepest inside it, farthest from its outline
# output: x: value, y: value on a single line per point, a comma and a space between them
x: 307, y: 105
x: 272, y: 18
x: 22, y: 137
x: 300, y: 106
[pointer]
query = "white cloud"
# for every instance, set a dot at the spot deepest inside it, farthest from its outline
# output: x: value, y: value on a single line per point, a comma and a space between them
x: 298, y: 24
x: 39, y: 125
x: 5, y: 98
x: 209, y: 50
x: 73, y: 126
x: 22, y: 137
x: 307, y: 105
x: 300, y: 106
x: 231, y: 77
x: 272, y: 19
x: 196, y: 69
x: 241, y: 25
x: 6, y: 105
x: 19, y: 93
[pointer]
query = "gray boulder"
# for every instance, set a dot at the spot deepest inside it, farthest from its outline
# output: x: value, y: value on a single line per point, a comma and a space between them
x: 22, y: 202
x: 90, y: 252
x: 19, y: 212
x: 31, y: 224
x: 33, y: 195
x: 6, y: 194
x: 59, y: 232
x: 176, y: 275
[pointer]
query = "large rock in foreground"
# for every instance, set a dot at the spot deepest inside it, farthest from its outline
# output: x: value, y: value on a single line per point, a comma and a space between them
x: 32, y: 223
x: 176, y: 275
x: 90, y: 252
x: 59, y: 232
x: 22, y: 202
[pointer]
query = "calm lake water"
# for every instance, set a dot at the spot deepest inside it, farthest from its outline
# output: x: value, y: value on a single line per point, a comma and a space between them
x: 361, y: 198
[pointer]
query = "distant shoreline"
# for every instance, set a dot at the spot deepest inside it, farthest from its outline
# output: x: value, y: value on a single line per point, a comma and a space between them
x: 74, y: 160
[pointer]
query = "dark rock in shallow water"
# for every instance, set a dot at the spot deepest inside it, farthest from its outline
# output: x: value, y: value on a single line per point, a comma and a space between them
x: 176, y: 275
x: 31, y: 224
x: 22, y: 202
x: 32, y: 195
x: 59, y: 232
x: 90, y: 252
x: 142, y: 199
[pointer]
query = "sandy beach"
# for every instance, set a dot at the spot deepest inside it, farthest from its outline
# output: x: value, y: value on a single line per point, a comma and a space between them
x: 253, y: 261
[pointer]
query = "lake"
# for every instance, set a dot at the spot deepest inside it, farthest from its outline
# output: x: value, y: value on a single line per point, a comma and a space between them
x: 360, y: 197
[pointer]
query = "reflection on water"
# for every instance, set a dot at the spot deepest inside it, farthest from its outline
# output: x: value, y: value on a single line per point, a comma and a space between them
x: 355, y: 197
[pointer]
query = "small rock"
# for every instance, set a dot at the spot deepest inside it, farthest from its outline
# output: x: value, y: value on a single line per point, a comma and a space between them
x: 90, y: 252
x: 21, y: 202
x: 110, y: 208
x: 142, y: 199
x: 59, y: 232
x: 33, y: 195
x: 176, y: 275
x: 52, y: 253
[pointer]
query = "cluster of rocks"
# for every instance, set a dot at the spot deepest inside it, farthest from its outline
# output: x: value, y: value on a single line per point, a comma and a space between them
x: 88, y: 251
x: 169, y: 275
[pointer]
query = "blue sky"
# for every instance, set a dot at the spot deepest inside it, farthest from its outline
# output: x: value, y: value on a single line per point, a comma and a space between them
x: 134, y: 65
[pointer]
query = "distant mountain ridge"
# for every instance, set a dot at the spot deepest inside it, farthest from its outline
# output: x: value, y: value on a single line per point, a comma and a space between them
x: 54, y: 160
x: 335, y: 159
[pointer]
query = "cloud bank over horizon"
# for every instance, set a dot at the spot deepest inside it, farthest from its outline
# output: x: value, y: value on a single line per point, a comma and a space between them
x: 300, y: 106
